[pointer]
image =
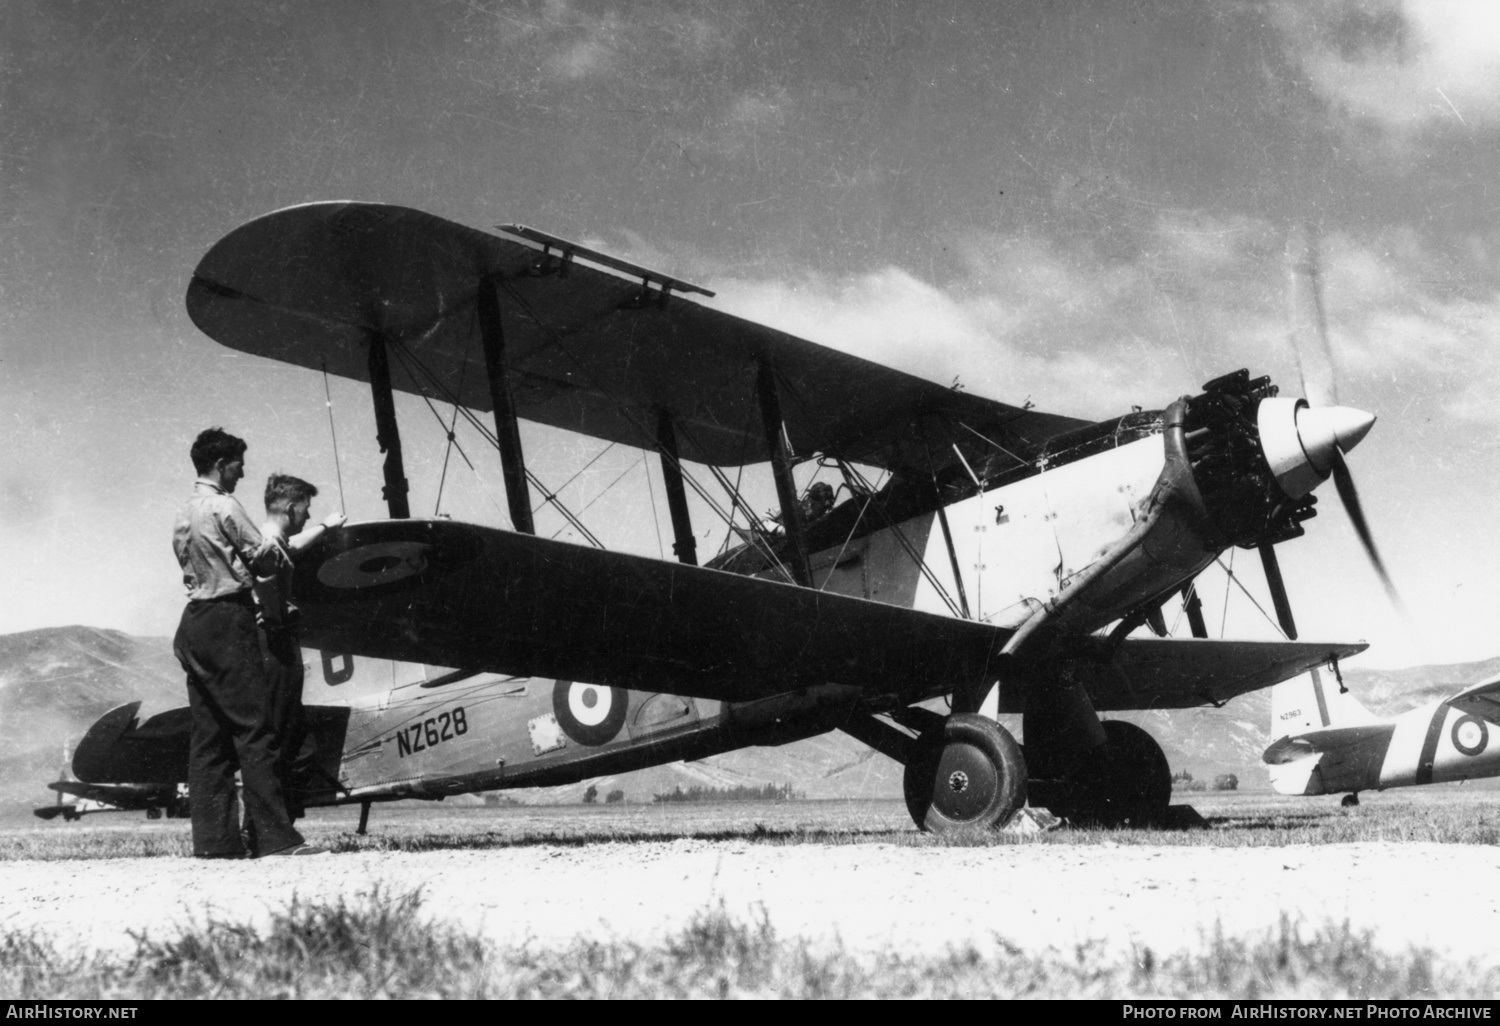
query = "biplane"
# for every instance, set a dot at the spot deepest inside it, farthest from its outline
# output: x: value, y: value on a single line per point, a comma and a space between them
x: 1327, y: 742
x: 982, y: 557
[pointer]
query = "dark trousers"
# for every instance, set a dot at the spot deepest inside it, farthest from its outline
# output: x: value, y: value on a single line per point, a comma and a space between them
x: 281, y: 652
x: 218, y: 646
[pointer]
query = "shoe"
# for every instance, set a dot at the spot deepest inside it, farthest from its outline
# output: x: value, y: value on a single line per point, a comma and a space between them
x: 298, y: 849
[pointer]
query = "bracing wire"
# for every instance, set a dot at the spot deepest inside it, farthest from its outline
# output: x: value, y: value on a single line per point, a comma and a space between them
x: 452, y: 439
x: 655, y: 520
x: 447, y: 453
x: 1229, y: 572
x: 607, y: 488
x: 912, y: 552
x: 1239, y: 584
x: 404, y: 355
x: 328, y: 404
x: 597, y: 456
x: 758, y: 533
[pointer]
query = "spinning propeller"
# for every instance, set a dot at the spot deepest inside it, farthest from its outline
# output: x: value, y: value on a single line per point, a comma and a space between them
x: 1306, y: 442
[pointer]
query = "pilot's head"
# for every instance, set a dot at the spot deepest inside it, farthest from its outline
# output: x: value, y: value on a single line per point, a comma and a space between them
x: 216, y: 450
x: 288, y: 499
x: 820, y: 496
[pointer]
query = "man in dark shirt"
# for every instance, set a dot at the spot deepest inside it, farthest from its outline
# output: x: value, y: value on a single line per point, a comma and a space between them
x: 284, y: 534
x: 215, y: 541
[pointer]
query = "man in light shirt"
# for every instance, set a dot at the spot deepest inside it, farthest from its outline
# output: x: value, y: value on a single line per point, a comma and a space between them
x: 217, y: 644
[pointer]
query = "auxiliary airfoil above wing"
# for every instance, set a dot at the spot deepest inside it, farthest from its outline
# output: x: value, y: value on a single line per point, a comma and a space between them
x: 587, y: 350
x: 450, y: 594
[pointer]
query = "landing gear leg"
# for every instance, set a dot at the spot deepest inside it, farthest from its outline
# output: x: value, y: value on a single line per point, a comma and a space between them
x: 1350, y: 801
x: 1110, y: 773
x: 966, y: 775
x: 364, y: 818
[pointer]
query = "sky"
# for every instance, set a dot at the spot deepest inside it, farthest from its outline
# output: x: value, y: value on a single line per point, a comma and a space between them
x: 1084, y: 204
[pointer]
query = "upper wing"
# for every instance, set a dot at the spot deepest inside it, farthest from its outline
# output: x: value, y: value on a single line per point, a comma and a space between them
x: 587, y: 350
x: 434, y: 591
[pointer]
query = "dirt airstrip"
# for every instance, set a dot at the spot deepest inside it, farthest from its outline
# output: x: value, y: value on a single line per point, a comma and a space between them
x: 868, y: 894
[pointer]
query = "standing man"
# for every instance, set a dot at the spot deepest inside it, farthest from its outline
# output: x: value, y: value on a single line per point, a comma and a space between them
x: 284, y: 534
x: 217, y: 644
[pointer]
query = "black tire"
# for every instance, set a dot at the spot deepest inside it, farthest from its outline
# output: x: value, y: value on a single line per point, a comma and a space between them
x: 966, y: 776
x: 152, y: 812
x: 1349, y: 801
x: 1136, y: 786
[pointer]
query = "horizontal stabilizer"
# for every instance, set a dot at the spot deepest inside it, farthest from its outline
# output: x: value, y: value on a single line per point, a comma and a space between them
x: 125, y: 796
x: 1318, y: 742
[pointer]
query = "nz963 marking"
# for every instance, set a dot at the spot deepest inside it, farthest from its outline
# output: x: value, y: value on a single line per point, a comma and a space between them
x: 431, y: 732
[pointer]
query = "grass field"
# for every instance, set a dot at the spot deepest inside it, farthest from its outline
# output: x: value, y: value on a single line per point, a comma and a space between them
x: 379, y: 945
x: 1446, y: 814
x: 382, y: 943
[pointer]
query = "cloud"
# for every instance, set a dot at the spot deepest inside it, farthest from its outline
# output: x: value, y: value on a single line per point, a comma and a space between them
x: 1401, y: 64
x: 1090, y: 335
x: 996, y: 342
x: 1400, y: 316
x: 573, y: 43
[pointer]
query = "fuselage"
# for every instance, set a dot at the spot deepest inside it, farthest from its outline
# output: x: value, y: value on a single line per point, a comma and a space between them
x: 1434, y: 743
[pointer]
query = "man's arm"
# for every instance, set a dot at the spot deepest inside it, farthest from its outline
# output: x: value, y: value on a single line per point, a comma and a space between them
x: 313, y: 532
x: 241, y: 533
x: 269, y: 561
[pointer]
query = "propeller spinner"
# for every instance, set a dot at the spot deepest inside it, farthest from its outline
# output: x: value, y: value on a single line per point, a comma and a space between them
x: 1305, y: 442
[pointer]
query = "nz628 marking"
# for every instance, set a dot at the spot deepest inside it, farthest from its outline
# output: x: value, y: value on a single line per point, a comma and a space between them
x: 431, y: 732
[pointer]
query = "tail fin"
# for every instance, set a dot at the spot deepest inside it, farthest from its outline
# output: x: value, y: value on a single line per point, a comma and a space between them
x: 1310, y: 703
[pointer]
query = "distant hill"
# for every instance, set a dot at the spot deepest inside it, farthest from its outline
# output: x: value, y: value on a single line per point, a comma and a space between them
x: 55, y: 682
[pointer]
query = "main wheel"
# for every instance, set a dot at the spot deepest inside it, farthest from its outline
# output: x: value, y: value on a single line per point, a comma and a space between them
x: 966, y: 775
x: 1137, y: 783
